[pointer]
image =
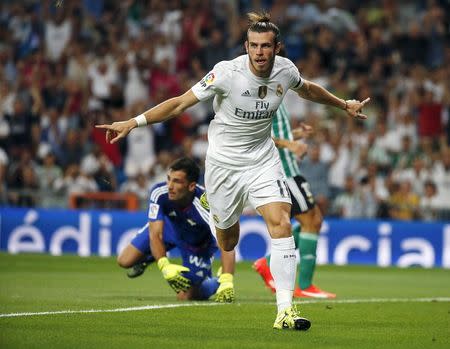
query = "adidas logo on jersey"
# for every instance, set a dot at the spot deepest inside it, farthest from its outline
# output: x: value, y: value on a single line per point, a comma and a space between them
x: 246, y: 94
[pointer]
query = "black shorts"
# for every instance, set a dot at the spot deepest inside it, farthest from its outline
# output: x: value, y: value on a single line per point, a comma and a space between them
x: 302, y: 198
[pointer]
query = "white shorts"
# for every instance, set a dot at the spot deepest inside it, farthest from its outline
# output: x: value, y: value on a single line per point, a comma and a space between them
x: 228, y: 190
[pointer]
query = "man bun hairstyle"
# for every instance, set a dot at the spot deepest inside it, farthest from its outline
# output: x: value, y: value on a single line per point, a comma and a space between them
x: 188, y: 166
x: 259, y: 22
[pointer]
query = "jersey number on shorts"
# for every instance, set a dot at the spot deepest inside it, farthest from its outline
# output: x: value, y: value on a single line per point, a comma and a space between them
x: 284, y: 192
x: 305, y: 187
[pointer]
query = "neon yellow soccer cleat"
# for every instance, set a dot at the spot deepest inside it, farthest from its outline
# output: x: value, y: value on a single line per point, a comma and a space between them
x: 225, y: 292
x: 290, y: 318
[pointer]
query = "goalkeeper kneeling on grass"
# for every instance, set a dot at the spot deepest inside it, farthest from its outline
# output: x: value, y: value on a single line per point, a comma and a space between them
x: 178, y: 216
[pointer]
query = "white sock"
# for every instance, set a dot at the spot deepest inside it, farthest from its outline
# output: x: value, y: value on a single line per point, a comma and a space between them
x: 283, y: 266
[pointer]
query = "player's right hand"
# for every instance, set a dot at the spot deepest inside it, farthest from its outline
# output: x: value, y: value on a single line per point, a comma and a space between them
x: 117, y: 130
x: 172, y: 274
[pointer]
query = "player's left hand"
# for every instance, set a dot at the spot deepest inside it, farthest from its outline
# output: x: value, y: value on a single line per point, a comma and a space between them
x: 225, y: 292
x: 354, y: 108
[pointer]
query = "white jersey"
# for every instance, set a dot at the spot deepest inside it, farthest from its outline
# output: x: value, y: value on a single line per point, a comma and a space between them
x: 240, y: 134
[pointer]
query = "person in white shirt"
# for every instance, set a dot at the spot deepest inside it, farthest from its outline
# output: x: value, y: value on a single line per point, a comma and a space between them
x: 242, y: 162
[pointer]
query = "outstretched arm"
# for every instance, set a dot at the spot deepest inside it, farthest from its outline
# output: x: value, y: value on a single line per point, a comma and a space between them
x: 317, y: 93
x: 162, y: 112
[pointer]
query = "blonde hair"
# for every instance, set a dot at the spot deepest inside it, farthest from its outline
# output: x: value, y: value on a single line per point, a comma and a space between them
x: 260, y: 22
x: 255, y: 17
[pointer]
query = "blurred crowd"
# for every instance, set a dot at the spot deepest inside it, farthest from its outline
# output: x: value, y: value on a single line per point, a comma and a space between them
x: 67, y: 65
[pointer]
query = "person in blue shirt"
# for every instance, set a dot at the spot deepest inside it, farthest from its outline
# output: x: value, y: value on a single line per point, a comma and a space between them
x: 178, y: 216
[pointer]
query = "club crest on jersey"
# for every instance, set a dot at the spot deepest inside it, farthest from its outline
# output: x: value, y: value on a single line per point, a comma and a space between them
x: 262, y: 91
x: 208, y: 79
x: 279, y: 90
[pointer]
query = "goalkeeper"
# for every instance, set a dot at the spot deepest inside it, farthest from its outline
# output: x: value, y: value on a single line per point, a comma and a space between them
x: 179, y: 217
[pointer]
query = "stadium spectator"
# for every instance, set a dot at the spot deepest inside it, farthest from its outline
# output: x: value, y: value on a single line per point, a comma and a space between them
x: 136, y: 183
x: 72, y: 150
x: 344, y: 162
x: 368, y: 196
x: 20, y: 123
x: 431, y: 202
x: 441, y: 174
x: 58, y: 31
x: 103, y: 76
x: 54, y: 127
x: 403, y: 202
x: 47, y: 172
x: 66, y: 185
x: 103, y: 170
x: 416, y: 175
x: 348, y: 204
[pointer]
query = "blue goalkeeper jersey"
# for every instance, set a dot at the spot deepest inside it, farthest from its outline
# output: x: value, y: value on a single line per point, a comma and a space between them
x: 190, y: 224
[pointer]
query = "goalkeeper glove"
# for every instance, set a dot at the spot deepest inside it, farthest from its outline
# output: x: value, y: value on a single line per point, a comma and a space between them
x: 172, y: 274
x: 225, y: 292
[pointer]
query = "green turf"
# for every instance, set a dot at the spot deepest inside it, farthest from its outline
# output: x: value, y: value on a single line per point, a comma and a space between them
x: 37, y: 283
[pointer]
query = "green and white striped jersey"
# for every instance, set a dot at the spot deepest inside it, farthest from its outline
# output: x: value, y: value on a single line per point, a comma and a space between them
x: 281, y: 128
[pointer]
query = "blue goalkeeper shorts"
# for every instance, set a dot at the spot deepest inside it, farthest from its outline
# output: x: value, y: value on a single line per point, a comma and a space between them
x: 197, y: 259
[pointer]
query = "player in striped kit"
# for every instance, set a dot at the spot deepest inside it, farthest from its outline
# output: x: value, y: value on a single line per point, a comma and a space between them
x: 304, y: 209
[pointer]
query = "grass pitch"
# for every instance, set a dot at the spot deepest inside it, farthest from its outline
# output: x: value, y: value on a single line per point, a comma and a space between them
x: 375, y: 308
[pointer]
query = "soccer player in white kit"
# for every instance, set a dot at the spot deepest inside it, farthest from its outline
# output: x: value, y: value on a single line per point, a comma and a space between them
x: 242, y: 162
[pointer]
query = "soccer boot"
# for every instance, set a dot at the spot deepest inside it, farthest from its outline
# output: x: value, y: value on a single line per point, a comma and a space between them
x: 313, y: 292
x: 137, y: 270
x: 290, y: 318
x: 225, y: 292
x: 262, y: 268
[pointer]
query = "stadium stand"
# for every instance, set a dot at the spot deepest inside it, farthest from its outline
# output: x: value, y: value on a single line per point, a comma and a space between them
x: 67, y: 65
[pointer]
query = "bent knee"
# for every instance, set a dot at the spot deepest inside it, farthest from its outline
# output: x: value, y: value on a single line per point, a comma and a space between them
x: 283, y: 229
x: 123, y: 262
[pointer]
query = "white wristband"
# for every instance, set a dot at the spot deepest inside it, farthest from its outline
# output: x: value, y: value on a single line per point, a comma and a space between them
x: 141, y: 120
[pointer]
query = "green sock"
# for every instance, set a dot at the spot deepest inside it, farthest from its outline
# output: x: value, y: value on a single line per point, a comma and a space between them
x: 307, y: 248
x: 295, y: 234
